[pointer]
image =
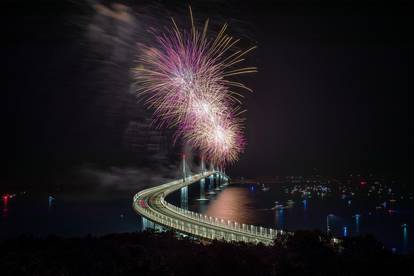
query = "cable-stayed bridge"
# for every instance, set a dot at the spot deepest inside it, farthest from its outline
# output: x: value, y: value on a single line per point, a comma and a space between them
x: 151, y: 204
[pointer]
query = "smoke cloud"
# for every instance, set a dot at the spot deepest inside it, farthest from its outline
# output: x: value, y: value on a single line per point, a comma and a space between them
x: 125, y: 179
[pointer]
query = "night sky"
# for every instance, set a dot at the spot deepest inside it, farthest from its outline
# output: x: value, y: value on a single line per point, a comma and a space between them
x: 332, y: 94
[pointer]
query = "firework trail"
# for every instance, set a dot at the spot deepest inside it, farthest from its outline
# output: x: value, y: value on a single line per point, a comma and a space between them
x: 186, y: 81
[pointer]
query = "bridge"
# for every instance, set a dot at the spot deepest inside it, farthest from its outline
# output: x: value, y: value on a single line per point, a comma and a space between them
x: 151, y: 204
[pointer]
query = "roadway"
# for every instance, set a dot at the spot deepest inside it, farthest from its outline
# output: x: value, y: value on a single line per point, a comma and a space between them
x: 150, y: 203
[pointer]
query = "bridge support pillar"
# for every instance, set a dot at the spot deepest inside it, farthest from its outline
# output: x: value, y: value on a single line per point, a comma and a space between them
x: 202, y: 189
x: 184, y: 197
x: 211, y: 184
x: 217, y: 181
x: 146, y: 224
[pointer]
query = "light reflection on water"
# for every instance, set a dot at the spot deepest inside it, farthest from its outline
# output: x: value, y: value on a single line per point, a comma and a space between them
x: 5, y: 207
x: 250, y: 205
x: 232, y: 204
x: 280, y: 219
x: 67, y: 216
x: 39, y: 215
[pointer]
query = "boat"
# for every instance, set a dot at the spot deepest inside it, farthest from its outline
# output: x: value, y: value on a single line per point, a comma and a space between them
x: 278, y: 207
x: 264, y: 188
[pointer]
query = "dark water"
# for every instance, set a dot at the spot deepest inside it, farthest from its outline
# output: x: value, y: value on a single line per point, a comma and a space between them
x: 75, y: 216
x: 67, y: 215
x: 249, y: 204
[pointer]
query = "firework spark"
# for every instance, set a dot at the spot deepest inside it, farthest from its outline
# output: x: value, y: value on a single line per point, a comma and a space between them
x: 185, y: 80
x: 220, y: 140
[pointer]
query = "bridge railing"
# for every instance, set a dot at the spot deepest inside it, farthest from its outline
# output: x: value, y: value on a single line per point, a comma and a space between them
x: 187, y: 227
x: 242, y: 228
x: 230, y: 230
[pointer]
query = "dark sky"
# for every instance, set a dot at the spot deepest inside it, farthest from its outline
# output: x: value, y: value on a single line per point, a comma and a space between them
x: 332, y: 93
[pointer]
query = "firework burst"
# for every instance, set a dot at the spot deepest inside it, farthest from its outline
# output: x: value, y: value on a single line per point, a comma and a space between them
x: 186, y: 81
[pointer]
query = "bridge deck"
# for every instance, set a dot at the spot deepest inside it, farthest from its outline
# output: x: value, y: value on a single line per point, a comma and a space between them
x: 151, y: 204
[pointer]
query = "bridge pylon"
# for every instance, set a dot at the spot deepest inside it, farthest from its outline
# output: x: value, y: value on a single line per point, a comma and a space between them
x: 184, y: 172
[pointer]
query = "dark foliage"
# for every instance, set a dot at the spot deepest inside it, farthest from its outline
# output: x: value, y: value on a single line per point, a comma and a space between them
x: 151, y: 253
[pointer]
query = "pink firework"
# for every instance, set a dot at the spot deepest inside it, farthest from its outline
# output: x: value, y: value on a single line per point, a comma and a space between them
x: 185, y: 80
x: 220, y: 140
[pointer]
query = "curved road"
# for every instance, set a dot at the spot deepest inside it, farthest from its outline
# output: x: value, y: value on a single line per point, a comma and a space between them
x: 151, y: 204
